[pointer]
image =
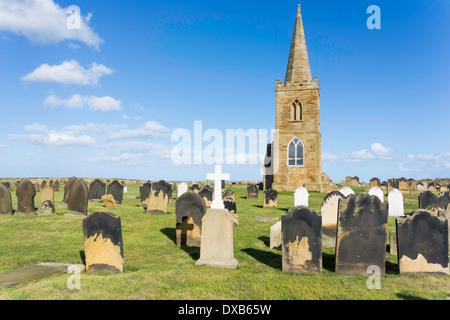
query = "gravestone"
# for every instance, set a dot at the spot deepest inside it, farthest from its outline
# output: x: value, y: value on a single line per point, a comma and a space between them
x: 422, y: 243
x: 67, y: 188
x: 361, y: 234
x: 428, y: 202
x: 443, y: 199
x: 374, y: 182
x: 446, y: 215
x: 158, y: 201
x: 346, y: 191
x: 25, y: 198
x: 329, y: 211
x: 97, y: 189
x: 376, y: 191
x: 182, y: 188
x: 115, y: 188
x: 411, y: 185
x: 56, y: 186
x: 207, y: 194
x: 47, y: 208
x: 144, y: 194
x: 189, y: 211
x: 5, y: 201
x: 301, y: 196
x: 78, y: 198
x: 395, y: 200
x: 252, y: 191
x: 230, y: 205
x: 103, y: 244
x: 195, y: 187
x: 36, y: 187
x: 393, y: 243
x: 275, y: 236
x: 109, y: 201
x: 270, y: 198
x: 301, y: 231
x: 47, y: 192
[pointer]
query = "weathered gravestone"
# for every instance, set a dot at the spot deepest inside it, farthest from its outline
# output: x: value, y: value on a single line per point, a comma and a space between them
x: 158, y: 201
x: 103, y: 244
x: 329, y: 212
x: 252, y: 191
x: 270, y: 198
x: 361, y: 234
x: 275, y: 236
x: 189, y: 211
x: 346, y: 191
x: 182, y: 188
x: 25, y: 198
x: 376, y: 191
x: 443, y: 200
x: 116, y: 189
x: 446, y: 215
x: 301, y: 197
x: 301, y: 231
x: 56, y: 186
x: 411, y: 185
x: 5, y: 201
x: 47, y: 192
x: 109, y: 201
x: 67, y: 188
x: 195, y: 188
x: 207, y: 194
x: 393, y: 243
x: 422, y: 243
x: 230, y: 205
x: 78, y: 198
x: 428, y: 202
x: 374, y: 182
x: 144, y: 194
x: 97, y: 189
x: 47, y: 208
x: 395, y: 200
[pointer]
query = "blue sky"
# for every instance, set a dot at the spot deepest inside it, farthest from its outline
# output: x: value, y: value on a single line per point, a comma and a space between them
x: 104, y: 100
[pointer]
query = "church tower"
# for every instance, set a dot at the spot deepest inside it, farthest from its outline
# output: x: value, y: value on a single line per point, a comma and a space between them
x: 296, y: 150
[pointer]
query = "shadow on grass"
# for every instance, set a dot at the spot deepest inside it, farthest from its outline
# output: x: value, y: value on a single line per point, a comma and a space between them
x: 193, y: 252
x: 83, y: 257
x: 170, y: 233
x: 408, y: 297
x: 270, y: 259
x: 328, y: 261
x: 265, y: 240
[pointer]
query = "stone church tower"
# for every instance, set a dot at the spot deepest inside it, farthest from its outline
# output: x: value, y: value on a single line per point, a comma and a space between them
x: 296, y: 149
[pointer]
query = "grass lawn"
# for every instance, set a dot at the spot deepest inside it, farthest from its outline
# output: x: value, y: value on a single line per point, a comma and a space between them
x: 155, y: 268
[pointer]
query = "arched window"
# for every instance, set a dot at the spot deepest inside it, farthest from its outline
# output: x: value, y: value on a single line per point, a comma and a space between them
x: 296, y: 111
x: 295, y: 152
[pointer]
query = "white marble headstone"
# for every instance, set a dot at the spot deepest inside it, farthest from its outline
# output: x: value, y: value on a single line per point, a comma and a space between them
x: 346, y: 191
x: 182, y: 188
x: 376, y: 191
x: 395, y: 200
x: 301, y: 196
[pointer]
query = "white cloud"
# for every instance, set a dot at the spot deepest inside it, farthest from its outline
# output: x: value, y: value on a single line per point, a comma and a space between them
x: 44, y: 22
x: 361, y: 155
x: 380, y: 150
x: 77, y: 101
x: 148, y: 129
x: 377, y: 151
x: 69, y: 72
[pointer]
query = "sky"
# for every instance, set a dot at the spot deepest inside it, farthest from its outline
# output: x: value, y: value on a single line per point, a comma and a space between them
x: 120, y: 91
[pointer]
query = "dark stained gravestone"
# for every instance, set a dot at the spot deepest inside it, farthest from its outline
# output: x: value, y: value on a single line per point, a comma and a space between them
x: 158, y: 201
x: 56, y: 185
x: 5, y: 201
x: 25, y: 198
x: 144, y: 193
x: 422, y: 243
x: 361, y: 234
x: 67, y: 188
x: 301, y: 230
x: 8, y: 185
x: 270, y: 198
x: 97, y: 189
x: 252, y: 191
x: 103, y: 244
x: 195, y: 187
x: 78, y: 199
x: 207, y: 194
x: 230, y: 205
x: 116, y: 189
x: 442, y: 201
x: 428, y: 202
x: 189, y: 211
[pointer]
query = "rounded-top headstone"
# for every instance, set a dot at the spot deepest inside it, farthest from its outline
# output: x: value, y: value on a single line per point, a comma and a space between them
x: 5, y: 200
x: 78, y: 199
x: 25, y: 198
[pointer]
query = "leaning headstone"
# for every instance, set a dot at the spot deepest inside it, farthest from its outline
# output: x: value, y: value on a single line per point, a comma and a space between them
x: 47, y: 192
x: 182, y: 188
x: 207, y: 194
x: 376, y: 191
x: 5, y: 200
x: 97, y: 189
x: 78, y: 198
x: 275, y: 236
x: 67, y: 188
x: 270, y: 198
x: 361, y: 234
x: 301, y: 230
x: 25, y: 198
x: 329, y: 212
x: 47, y: 208
x: 189, y: 211
x: 346, y: 191
x: 422, y: 243
x: 443, y: 200
x: 103, y: 244
x: 301, y: 197
x: 158, y: 201
x: 144, y: 194
x: 395, y: 200
x: 428, y: 202
x: 252, y: 191
x: 109, y: 201
x: 116, y: 189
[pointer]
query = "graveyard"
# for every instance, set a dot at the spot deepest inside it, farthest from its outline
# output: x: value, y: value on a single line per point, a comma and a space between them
x: 156, y: 268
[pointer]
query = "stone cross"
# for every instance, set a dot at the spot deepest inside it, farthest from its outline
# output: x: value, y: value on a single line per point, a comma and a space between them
x: 218, y: 176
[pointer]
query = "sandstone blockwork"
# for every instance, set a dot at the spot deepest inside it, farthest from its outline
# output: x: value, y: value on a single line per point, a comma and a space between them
x: 422, y: 243
x: 361, y: 234
x: 103, y: 244
x: 189, y: 211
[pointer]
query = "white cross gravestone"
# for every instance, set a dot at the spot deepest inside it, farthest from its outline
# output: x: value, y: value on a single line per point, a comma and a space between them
x: 301, y: 196
x: 218, y: 176
x: 346, y: 191
x: 376, y: 191
x: 182, y: 188
x: 395, y: 200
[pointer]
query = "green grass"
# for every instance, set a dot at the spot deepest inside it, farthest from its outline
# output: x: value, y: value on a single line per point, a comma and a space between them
x: 155, y: 268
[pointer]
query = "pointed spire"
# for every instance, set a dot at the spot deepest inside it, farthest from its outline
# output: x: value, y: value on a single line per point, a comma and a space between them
x: 298, y: 66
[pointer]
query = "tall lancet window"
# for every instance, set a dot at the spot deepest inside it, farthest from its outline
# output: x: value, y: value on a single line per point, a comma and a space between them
x: 296, y: 153
x: 296, y: 111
